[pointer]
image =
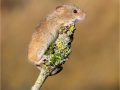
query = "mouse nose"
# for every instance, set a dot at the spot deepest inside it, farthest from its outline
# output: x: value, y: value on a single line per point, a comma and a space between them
x: 82, y: 15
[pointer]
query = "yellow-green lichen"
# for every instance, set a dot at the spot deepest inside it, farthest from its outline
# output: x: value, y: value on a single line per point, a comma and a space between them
x: 59, y: 51
x: 59, y: 45
x: 61, y: 30
x: 39, y: 81
x: 71, y: 28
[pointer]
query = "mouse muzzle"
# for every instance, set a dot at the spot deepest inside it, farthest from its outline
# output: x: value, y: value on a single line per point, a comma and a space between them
x: 81, y: 16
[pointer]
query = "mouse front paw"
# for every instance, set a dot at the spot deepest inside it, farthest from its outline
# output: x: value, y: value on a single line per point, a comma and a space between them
x: 68, y: 23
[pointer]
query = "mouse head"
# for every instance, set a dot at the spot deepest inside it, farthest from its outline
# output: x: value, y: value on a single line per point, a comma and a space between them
x: 69, y: 12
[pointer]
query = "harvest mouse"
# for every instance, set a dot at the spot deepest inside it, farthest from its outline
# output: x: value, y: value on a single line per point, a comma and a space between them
x: 47, y: 32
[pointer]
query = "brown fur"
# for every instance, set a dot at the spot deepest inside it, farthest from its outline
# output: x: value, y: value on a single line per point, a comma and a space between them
x: 47, y: 31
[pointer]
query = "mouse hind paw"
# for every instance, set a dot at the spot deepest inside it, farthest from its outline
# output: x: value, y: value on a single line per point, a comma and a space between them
x: 43, y: 60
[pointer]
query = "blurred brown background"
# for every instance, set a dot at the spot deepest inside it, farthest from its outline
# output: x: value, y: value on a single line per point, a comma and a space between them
x: 93, y: 64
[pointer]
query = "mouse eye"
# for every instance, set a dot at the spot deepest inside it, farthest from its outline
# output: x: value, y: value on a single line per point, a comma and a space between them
x: 75, y: 11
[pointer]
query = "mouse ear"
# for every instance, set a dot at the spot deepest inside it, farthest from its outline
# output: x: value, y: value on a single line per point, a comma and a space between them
x: 59, y: 8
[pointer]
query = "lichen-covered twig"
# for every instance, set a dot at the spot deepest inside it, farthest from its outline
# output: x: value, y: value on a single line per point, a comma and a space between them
x: 40, y: 80
x: 57, y: 54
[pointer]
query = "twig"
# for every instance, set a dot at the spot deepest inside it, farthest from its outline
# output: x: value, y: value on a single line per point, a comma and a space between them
x: 40, y: 80
x: 45, y: 72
